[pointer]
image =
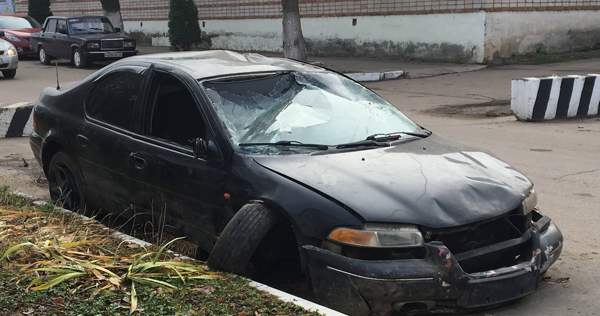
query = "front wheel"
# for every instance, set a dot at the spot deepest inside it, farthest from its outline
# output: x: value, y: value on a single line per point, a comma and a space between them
x: 240, y: 238
x: 64, y: 184
x: 79, y: 60
x: 44, y: 57
x: 9, y: 74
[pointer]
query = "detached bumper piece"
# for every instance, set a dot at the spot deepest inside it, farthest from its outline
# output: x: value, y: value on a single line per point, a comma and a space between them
x: 447, y: 278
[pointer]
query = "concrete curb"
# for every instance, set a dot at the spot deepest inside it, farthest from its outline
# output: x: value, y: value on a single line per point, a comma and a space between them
x: 549, y: 98
x: 15, y: 120
x: 283, y: 296
x: 377, y: 76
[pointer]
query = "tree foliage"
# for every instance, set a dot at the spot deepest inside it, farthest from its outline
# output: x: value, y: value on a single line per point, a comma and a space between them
x: 184, y: 30
x: 39, y: 9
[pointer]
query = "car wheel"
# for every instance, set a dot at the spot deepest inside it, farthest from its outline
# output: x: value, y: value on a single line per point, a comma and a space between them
x: 9, y: 74
x: 78, y: 59
x: 240, y: 238
x: 44, y: 57
x: 64, y: 184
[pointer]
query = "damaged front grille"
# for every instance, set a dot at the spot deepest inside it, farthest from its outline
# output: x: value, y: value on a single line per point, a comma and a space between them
x: 488, y: 245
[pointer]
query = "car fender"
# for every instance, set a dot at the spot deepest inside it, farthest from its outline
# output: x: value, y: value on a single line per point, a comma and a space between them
x: 312, y: 214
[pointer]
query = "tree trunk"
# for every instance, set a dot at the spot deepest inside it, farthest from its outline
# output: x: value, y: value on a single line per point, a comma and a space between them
x: 293, y: 40
x: 112, y: 10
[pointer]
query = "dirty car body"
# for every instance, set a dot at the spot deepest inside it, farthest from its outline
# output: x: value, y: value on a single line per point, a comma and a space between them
x: 386, y: 217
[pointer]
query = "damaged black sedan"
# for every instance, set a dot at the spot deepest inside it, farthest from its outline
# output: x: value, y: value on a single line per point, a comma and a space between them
x: 266, y: 163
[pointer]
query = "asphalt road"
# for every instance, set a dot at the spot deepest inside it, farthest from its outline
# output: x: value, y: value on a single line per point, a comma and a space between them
x: 562, y: 158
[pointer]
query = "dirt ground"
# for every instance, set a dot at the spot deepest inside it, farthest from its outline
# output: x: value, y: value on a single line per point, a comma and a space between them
x: 562, y: 158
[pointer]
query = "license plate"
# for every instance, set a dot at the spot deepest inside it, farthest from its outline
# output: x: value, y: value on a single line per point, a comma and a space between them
x: 113, y: 54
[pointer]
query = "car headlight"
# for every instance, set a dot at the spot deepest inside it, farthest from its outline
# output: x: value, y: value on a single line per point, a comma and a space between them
x: 378, y: 236
x: 129, y: 44
x: 530, y: 202
x: 93, y: 45
x: 11, y: 52
x: 12, y: 37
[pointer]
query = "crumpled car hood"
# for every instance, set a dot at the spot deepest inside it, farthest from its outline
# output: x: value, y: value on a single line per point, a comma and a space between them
x: 421, y: 182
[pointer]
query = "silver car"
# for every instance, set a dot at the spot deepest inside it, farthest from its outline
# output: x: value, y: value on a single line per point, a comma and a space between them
x: 9, y: 59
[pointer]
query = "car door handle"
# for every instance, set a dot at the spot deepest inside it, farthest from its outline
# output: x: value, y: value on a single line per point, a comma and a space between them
x: 82, y: 140
x: 139, y: 162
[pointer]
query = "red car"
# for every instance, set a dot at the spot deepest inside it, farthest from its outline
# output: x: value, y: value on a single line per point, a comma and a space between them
x: 17, y: 30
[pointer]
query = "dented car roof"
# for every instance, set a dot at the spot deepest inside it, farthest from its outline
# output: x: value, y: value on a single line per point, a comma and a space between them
x: 214, y: 63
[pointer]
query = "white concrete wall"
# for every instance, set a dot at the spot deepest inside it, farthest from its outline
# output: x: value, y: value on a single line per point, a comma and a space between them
x: 518, y: 33
x: 435, y: 36
x: 466, y: 37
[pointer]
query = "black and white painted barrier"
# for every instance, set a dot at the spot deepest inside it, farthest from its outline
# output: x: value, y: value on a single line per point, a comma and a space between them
x: 539, y: 99
x: 15, y: 120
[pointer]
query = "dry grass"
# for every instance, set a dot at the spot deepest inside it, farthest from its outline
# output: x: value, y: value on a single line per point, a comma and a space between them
x: 53, y: 262
x: 50, y: 248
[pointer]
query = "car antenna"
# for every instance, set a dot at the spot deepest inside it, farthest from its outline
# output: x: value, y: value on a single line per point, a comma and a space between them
x: 57, y: 81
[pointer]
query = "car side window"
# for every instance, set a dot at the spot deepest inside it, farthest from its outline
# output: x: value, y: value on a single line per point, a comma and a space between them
x: 174, y: 116
x: 51, y: 26
x: 61, y: 27
x: 114, y: 98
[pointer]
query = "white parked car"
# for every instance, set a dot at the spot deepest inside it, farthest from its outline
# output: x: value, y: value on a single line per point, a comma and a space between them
x: 9, y: 59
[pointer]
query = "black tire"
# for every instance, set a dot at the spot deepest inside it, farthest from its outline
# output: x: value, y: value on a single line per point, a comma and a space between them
x: 79, y: 59
x: 64, y: 183
x: 9, y: 74
x: 43, y: 56
x: 240, y: 238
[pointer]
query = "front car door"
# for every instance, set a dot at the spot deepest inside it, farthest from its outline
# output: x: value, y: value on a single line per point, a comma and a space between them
x: 112, y: 120
x: 61, y: 40
x: 186, y: 191
x: 48, y: 36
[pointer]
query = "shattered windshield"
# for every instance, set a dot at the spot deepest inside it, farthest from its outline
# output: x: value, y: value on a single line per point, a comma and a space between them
x: 307, y: 108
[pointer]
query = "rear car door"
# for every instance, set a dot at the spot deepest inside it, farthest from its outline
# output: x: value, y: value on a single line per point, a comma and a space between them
x: 186, y: 191
x: 112, y: 120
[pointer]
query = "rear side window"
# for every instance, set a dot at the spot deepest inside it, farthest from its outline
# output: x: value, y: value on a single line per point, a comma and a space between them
x: 51, y: 26
x: 114, y: 98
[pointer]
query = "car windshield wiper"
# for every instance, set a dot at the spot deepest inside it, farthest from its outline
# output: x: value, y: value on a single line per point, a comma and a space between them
x: 381, y: 139
x: 386, y: 137
x: 287, y: 143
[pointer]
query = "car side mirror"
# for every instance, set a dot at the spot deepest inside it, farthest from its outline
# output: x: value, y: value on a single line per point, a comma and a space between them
x: 200, y: 147
x: 205, y: 149
x: 118, y: 29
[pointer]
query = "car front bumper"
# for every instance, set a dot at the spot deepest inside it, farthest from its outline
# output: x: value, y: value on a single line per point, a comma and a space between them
x: 9, y: 62
x: 436, y: 283
x: 110, y: 55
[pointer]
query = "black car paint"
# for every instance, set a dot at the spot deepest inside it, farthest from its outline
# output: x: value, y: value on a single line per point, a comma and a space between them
x: 61, y: 45
x: 432, y: 184
x: 315, y: 192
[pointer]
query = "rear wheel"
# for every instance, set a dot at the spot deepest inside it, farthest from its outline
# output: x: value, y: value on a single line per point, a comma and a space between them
x: 64, y: 184
x: 79, y: 59
x: 44, y: 57
x: 9, y: 74
x: 240, y: 238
